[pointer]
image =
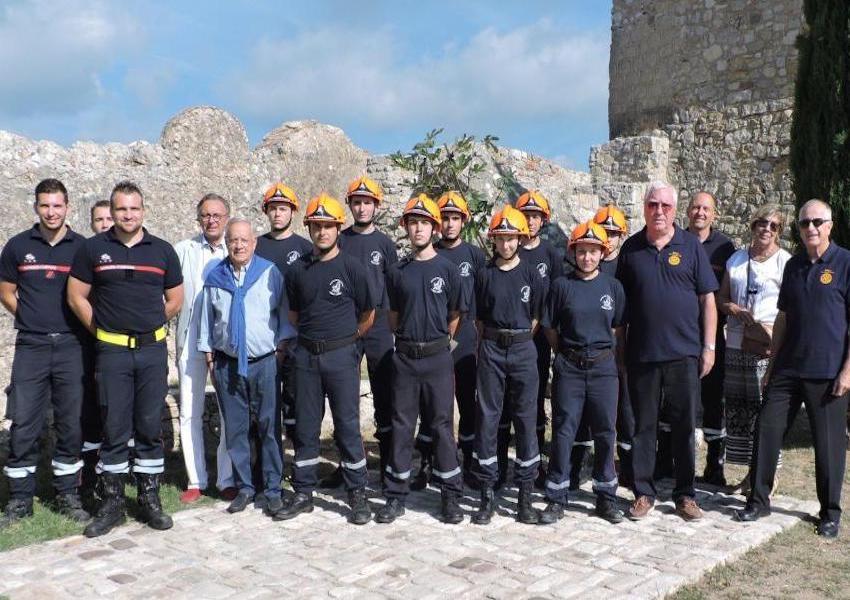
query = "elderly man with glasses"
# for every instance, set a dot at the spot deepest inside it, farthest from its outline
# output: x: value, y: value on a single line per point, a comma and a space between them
x: 809, y: 364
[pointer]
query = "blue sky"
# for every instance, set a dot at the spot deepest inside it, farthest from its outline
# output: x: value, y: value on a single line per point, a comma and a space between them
x: 533, y: 73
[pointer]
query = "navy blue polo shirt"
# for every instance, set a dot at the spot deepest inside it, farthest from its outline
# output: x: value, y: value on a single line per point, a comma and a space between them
x: 662, y: 294
x: 469, y: 260
x: 546, y: 259
x: 41, y: 273
x: 718, y: 248
x: 283, y: 253
x: 128, y: 281
x: 377, y: 252
x: 423, y: 293
x: 329, y: 296
x: 509, y: 299
x: 815, y: 298
x: 583, y: 312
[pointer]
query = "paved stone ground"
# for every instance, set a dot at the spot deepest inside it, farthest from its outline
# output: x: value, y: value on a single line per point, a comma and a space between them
x: 211, y: 554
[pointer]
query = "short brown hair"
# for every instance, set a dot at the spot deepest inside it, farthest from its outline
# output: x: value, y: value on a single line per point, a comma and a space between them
x: 96, y: 205
x: 126, y: 187
x: 51, y: 186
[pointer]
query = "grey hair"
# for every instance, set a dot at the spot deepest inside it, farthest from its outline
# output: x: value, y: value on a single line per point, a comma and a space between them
x: 657, y: 186
x: 237, y: 221
x: 816, y: 202
x: 209, y: 197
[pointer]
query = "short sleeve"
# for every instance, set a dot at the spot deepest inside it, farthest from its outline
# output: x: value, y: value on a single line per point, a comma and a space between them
x: 290, y: 282
x: 557, y: 262
x: 8, y: 264
x: 706, y: 280
x: 456, y: 300
x: 392, y: 289
x: 539, y: 294
x: 390, y: 255
x: 363, y: 299
x: 173, y: 270
x: 480, y: 282
x: 550, y: 309
x: 782, y: 302
x: 619, y: 303
x: 82, y: 268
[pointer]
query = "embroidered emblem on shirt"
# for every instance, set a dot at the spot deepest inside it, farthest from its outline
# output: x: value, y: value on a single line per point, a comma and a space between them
x: 437, y: 285
x: 826, y: 276
x: 375, y: 258
x: 606, y: 302
x: 105, y: 258
x: 543, y: 269
x: 465, y: 269
x: 674, y: 259
x: 29, y: 258
x: 292, y: 257
x: 525, y: 293
x: 336, y: 287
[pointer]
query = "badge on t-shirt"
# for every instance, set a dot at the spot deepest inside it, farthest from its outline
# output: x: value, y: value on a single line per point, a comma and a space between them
x: 335, y: 288
x: 826, y: 276
x: 674, y: 259
x: 465, y: 269
x: 292, y: 257
x: 543, y: 269
x: 606, y: 302
x: 437, y: 285
x: 105, y: 258
x: 525, y: 293
x: 375, y: 258
x: 29, y: 258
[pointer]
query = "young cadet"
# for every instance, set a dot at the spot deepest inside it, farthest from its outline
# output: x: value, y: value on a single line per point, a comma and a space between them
x: 331, y: 305
x: 454, y: 214
x: 377, y: 253
x: 49, y: 348
x: 584, y: 314
x: 100, y: 217
x: 283, y: 247
x: 550, y: 265
x: 425, y: 304
x: 509, y: 294
x: 137, y: 285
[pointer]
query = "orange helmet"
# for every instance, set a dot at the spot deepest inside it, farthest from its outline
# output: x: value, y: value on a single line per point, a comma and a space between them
x: 363, y: 186
x: 533, y: 200
x: 589, y: 233
x: 324, y: 209
x: 612, y: 219
x: 278, y: 192
x: 422, y: 206
x: 453, y: 202
x: 508, y: 221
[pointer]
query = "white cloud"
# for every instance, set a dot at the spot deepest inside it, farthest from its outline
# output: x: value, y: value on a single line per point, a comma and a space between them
x: 527, y: 74
x: 52, y: 54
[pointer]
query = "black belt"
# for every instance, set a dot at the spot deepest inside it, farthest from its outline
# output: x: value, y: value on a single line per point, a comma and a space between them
x: 251, y: 359
x: 506, y: 338
x: 322, y: 346
x: 582, y: 360
x: 421, y: 349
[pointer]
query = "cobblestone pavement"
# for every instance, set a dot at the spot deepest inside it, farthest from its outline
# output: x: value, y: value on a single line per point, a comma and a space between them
x: 211, y: 554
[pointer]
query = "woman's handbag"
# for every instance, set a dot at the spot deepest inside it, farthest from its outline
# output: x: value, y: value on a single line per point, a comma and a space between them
x: 757, y: 336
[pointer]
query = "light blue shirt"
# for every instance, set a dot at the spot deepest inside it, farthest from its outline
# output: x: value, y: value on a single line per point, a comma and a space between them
x: 266, y: 315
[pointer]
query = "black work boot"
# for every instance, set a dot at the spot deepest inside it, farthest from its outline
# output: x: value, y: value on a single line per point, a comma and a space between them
x: 332, y: 481
x: 502, y: 442
x: 486, y: 508
x: 150, y: 507
x: 70, y: 505
x: 16, y: 509
x: 714, y: 461
x: 423, y: 476
x: 360, y: 511
x: 607, y: 509
x: 88, y: 481
x: 553, y: 513
x: 451, y: 512
x: 112, y: 510
x: 299, y: 503
x: 526, y: 513
x: 578, y: 456
x: 389, y: 512
x: 664, y: 456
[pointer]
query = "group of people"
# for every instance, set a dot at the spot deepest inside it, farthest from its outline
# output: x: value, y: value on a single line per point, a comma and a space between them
x: 644, y: 330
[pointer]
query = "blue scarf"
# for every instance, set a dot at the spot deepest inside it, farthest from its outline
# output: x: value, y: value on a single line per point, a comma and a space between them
x: 222, y: 277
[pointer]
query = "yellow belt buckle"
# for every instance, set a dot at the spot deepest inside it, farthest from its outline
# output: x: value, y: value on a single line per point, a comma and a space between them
x: 131, y: 342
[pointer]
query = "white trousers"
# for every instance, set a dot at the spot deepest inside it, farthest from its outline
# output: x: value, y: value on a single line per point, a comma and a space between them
x: 192, y: 371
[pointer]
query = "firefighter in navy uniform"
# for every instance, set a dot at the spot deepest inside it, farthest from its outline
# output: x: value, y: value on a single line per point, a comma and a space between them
x: 454, y: 214
x: 49, y: 355
x: 129, y: 272
x: 331, y: 305
x: 378, y: 253
x: 509, y: 294
x: 426, y: 300
x: 550, y: 265
x: 583, y: 323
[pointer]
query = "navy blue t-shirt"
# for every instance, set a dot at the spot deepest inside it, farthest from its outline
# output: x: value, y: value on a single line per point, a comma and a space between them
x: 509, y: 299
x: 423, y: 293
x: 546, y: 259
x: 815, y: 298
x: 283, y: 253
x: 329, y: 296
x: 469, y: 260
x: 583, y: 312
x: 377, y: 253
x: 41, y: 273
x: 609, y: 267
x: 662, y: 294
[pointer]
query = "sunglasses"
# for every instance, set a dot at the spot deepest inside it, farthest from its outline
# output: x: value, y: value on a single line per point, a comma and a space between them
x: 804, y: 223
x: 765, y: 223
x: 652, y: 205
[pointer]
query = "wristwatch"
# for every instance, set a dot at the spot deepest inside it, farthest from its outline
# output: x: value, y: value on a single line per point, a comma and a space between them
x: 711, y: 347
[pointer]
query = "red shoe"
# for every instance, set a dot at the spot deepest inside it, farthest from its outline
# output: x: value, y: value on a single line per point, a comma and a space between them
x: 191, y: 495
x: 228, y: 494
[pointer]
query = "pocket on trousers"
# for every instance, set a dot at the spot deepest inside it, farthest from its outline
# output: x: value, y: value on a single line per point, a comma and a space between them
x: 10, y: 401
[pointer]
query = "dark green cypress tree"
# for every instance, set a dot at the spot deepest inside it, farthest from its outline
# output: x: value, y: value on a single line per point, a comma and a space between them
x: 820, y: 133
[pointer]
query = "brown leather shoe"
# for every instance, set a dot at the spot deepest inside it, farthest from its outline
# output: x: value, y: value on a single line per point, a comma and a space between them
x: 688, y: 509
x: 641, y: 507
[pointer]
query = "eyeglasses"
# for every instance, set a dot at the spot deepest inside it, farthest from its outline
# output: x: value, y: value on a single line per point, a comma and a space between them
x: 212, y: 217
x: 804, y: 223
x: 766, y: 223
x: 653, y: 205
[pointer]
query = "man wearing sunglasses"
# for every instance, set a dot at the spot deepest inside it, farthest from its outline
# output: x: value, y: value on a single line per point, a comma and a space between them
x: 718, y: 247
x: 809, y: 364
x: 671, y: 328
